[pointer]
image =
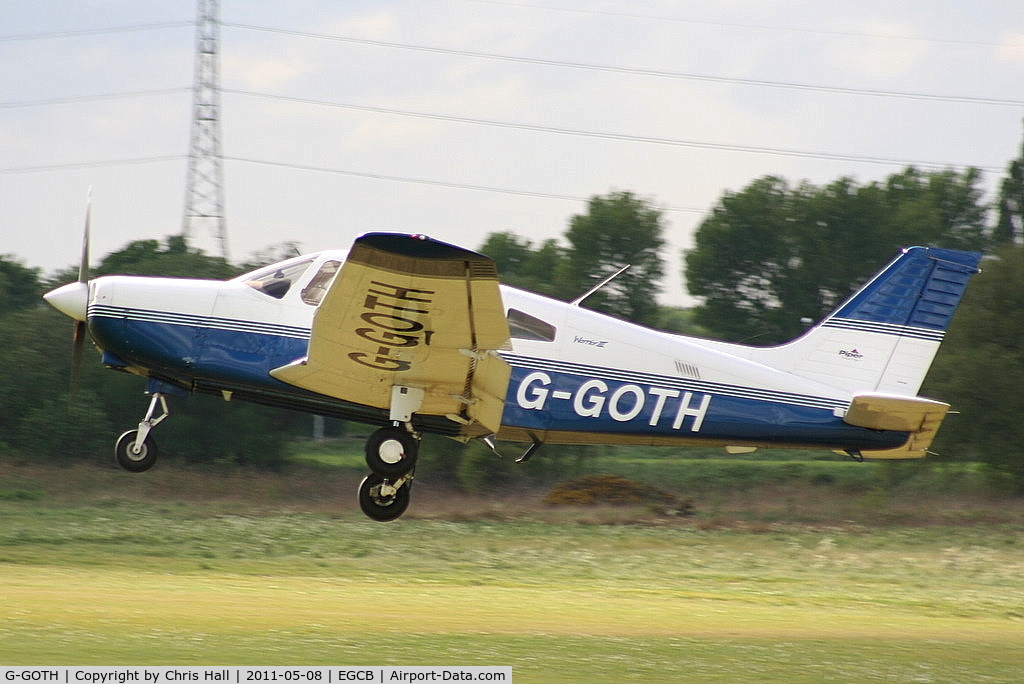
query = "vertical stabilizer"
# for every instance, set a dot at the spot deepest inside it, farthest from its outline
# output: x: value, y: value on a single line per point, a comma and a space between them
x: 884, y: 338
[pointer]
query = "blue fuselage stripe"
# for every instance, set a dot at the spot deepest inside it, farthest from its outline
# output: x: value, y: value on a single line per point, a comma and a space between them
x: 885, y: 328
x: 543, y: 394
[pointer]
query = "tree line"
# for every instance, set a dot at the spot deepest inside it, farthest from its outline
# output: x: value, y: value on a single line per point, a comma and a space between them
x: 767, y: 260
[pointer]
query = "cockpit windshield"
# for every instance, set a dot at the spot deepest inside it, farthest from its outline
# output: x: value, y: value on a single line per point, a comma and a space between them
x: 277, y: 280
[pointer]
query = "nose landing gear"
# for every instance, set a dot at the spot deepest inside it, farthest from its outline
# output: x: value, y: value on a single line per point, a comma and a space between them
x: 135, y: 450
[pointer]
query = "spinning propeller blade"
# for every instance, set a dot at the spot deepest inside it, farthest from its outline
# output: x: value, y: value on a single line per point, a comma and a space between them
x: 78, y: 342
x: 83, y: 265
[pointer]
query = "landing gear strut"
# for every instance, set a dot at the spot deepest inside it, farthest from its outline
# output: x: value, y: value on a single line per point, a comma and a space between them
x: 135, y: 450
x: 391, y: 456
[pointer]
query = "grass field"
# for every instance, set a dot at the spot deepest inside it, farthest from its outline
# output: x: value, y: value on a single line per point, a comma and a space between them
x: 190, y: 567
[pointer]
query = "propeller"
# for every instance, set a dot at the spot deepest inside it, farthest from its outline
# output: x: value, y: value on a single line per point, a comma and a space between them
x: 81, y: 331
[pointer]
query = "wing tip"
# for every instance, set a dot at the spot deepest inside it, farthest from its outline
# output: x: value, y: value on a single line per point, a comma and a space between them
x: 421, y: 255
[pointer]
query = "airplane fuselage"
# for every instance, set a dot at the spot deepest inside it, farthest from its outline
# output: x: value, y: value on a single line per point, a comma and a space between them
x: 577, y: 376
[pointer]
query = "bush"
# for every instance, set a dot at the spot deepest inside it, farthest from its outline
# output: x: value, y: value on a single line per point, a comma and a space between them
x: 615, y: 490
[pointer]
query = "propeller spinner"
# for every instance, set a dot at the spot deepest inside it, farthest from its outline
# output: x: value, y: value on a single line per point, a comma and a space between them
x: 73, y: 300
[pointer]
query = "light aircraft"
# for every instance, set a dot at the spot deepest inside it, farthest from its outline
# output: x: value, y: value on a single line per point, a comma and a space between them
x: 417, y: 336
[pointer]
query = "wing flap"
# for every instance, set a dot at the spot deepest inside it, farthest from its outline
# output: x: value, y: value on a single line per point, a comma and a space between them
x: 413, y: 312
x: 919, y: 416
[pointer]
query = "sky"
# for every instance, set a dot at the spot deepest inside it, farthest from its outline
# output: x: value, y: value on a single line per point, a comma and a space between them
x: 461, y: 118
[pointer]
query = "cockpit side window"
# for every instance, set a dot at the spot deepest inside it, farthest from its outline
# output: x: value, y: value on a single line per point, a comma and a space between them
x: 276, y: 281
x: 314, y: 293
x: 523, y: 326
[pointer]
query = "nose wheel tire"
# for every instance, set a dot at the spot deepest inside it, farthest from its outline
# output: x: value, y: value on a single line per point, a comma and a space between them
x: 391, y: 452
x: 131, y: 455
x: 380, y: 500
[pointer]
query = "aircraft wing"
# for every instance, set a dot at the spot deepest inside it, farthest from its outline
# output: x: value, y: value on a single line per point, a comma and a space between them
x: 919, y: 416
x: 412, y: 325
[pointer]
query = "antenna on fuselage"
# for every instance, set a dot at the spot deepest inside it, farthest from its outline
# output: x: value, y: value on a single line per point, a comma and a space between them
x: 579, y: 300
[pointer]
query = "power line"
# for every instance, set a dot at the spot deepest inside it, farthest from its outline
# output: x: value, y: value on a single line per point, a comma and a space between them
x: 604, y: 135
x: 75, y: 99
x: 431, y: 182
x: 536, y: 128
x: 654, y: 73
x: 75, y: 33
x: 96, y: 163
x: 741, y: 25
x: 70, y: 166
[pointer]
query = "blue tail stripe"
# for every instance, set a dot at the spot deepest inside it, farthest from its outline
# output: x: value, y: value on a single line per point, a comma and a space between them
x: 920, y: 289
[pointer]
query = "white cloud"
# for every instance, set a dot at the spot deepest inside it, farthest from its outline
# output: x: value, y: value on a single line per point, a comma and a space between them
x: 376, y: 26
x: 1011, y: 48
x: 376, y: 132
x: 890, y: 52
x: 262, y: 73
x: 464, y: 96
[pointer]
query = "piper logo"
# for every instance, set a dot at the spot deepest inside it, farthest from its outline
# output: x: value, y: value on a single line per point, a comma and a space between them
x: 852, y: 354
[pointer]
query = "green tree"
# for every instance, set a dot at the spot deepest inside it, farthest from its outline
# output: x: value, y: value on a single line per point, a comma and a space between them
x: 20, y: 287
x: 941, y: 208
x: 36, y: 419
x: 270, y: 255
x: 980, y: 370
x: 618, y: 229
x: 742, y: 252
x: 1010, y: 222
x: 772, y: 256
x: 174, y: 259
x: 678, y: 320
x: 521, y: 265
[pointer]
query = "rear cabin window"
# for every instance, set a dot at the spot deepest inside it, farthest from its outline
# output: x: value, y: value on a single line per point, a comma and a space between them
x: 314, y: 293
x: 523, y: 326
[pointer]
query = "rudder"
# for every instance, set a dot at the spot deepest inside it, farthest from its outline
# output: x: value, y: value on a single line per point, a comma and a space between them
x: 884, y: 337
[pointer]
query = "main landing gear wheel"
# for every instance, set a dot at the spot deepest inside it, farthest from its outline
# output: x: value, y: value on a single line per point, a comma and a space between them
x: 391, y: 452
x: 382, y: 500
x: 131, y: 455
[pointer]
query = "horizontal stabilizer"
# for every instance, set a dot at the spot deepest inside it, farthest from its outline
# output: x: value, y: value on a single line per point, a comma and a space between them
x: 919, y: 416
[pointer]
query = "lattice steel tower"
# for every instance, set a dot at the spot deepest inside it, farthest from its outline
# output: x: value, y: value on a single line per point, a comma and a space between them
x: 204, y: 184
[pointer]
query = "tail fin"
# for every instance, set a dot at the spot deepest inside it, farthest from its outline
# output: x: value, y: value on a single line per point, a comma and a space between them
x: 884, y: 338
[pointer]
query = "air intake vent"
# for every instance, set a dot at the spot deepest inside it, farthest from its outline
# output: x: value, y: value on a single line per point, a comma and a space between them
x: 687, y: 370
x: 483, y: 270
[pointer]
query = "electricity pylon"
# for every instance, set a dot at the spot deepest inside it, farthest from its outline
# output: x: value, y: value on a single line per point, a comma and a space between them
x: 204, y: 183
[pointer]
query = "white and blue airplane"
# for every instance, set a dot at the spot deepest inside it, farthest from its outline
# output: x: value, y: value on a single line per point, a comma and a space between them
x: 417, y: 336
